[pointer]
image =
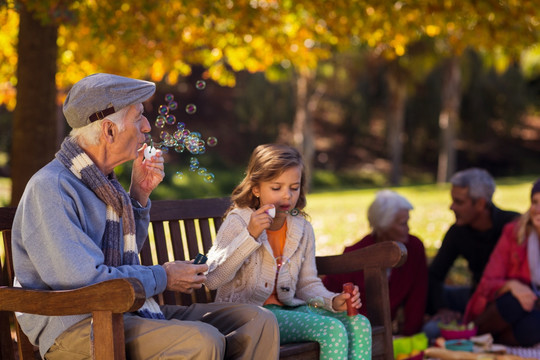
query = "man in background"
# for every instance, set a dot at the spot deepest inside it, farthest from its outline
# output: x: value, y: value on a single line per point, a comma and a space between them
x: 473, y: 236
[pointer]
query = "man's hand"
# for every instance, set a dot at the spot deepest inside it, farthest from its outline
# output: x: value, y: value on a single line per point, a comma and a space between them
x: 260, y: 220
x: 146, y: 175
x: 184, y: 276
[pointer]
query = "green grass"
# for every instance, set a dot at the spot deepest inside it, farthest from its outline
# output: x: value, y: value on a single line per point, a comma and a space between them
x: 5, y: 191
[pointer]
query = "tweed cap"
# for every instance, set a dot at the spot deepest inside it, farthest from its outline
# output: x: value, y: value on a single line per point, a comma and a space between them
x: 99, y: 95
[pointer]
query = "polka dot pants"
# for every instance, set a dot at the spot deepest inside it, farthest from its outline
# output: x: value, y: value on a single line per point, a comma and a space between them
x: 339, y: 336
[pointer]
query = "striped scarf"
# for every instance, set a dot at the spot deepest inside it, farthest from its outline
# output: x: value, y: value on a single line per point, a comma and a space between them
x: 119, y: 208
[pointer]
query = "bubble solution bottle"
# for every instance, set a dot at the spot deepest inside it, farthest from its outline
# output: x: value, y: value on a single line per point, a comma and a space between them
x: 349, y: 288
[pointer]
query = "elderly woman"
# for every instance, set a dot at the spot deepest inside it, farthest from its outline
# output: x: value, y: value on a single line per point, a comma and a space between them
x: 388, y: 218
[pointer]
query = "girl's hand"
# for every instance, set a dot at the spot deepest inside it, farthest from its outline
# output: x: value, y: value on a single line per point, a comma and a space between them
x: 522, y: 293
x: 260, y: 220
x: 339, y: 303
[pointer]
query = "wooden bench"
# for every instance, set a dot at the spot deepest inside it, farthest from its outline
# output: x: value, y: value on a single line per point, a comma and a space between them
x: 182, y: 228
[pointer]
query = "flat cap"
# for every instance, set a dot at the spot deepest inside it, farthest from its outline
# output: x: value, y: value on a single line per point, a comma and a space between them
x: 99, y: 95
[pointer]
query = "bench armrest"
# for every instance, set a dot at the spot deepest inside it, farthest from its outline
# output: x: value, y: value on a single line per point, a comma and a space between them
x: 373, y: 260
x: 384, y: 255
x: 116, y: 296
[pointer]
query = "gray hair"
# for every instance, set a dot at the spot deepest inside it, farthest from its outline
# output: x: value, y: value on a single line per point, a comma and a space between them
x: 89, y: 134
x: 383, y: 210
x: 479, y: 182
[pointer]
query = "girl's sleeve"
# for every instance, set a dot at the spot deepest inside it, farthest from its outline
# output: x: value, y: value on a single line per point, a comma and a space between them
x: 232, y: 246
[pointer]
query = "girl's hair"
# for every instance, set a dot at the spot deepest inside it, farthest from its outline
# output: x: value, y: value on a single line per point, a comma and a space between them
x: 524, y: 226
x: 267, y: 162
x: 383, y: 210
x: 89, y: 134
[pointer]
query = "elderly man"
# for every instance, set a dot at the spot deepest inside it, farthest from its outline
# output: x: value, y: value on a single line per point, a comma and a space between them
x: 75, y: 225
x: 477, y: 229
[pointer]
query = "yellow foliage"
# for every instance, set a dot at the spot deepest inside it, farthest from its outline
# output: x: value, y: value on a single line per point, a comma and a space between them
x: 433, y: 30
x: 158, y: 40
x: 9, y: 24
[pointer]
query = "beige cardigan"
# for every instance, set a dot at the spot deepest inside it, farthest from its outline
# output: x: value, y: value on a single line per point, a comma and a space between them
x: 243, y: 269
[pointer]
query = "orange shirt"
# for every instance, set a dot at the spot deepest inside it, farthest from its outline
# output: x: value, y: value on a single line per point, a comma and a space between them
x: 277, y: 239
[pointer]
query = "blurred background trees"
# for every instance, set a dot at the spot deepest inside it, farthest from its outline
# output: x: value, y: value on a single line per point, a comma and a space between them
x: 396, y: 91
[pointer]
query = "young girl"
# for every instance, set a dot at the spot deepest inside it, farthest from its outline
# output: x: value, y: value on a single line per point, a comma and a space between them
x: 264, y: 254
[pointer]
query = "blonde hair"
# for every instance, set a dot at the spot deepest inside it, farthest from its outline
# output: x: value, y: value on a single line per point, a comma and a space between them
x: 267, y: 162
x: 524, y: 226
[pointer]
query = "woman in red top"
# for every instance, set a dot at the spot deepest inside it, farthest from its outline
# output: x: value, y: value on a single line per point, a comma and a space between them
x: 505, y: 302
x: 388, y: 217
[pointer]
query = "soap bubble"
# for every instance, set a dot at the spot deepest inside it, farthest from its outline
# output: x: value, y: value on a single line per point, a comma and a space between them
x: 179, y: 148
x: 163, y: 135
x: 294, y: 212
x: 202, y: 171
x: 178, y: 135
x: 209, y: 178
x: 191, y: 109
x: 314, y: 303
x: 171, y: 119
x: 160, y: 121
x: 163, y: 109
x: 179, y: 175
x: 212, y: 141
x: 200, y: 84
x: 169, y: 97
x: 173, y: 105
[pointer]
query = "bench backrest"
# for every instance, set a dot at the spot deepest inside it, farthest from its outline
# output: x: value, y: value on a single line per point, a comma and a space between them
x: 180, y: 229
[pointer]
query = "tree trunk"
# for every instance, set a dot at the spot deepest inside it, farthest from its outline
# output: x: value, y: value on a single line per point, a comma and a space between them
x: 396, y: 122
x: 303, y: 137
x: 448, y: 118
x: 35, y: 127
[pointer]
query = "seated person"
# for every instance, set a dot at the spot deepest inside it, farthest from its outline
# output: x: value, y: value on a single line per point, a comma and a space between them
x: 264, y: 254
x: 478, y: 226
x: 506, y: 302
x: 388, y: 217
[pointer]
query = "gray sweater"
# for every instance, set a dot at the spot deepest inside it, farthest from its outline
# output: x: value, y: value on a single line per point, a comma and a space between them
x: 57, y: 235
